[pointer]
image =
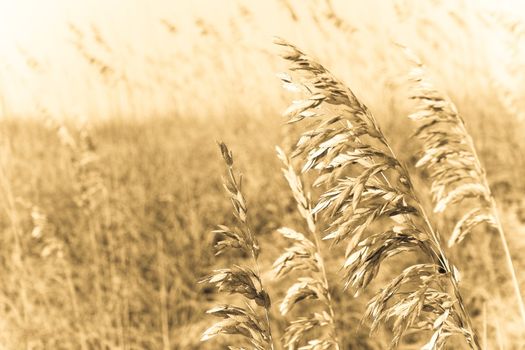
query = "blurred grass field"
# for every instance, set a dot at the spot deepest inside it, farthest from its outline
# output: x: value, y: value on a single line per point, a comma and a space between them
x: 123, y: 273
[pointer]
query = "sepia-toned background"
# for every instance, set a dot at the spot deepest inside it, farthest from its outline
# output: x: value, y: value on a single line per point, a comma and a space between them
x: 110, y: 175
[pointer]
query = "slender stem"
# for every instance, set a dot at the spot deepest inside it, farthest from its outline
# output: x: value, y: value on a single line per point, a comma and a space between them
x: 163, y: 293
x: 305, y: 206
x: 76, y: 311
x: 499, y: 338
x: 18, y: 259
x: 266, y: 309
x: 267, y: 316
x: 499, y: 225
x: 508, y: 259
x: 465, y: 317
x: 243, y: 220
x: 485, y: 330
x: 311, y: 225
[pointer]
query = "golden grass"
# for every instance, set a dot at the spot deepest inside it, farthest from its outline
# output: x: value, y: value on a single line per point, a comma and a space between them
x: 105, y: 235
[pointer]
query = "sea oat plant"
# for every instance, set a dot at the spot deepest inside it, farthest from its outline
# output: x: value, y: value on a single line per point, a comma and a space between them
x: 246, y: 281
x: 366, y: 185
x: 454, y: 166
x: 305, y: 255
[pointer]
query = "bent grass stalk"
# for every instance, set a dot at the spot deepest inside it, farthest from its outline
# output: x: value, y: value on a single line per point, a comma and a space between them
x: 454, y: 165
x: 367, y: 185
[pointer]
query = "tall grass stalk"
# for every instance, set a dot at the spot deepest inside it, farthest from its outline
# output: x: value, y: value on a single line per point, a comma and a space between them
x: 455, y: 167
x: 241, y: 280
x: 367, y: 185
x: 305, y: 255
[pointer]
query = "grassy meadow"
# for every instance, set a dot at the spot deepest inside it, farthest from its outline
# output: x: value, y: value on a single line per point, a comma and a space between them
x: 109, y: 195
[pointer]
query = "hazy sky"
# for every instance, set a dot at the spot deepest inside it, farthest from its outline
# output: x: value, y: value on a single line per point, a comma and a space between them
x: 39, y: 65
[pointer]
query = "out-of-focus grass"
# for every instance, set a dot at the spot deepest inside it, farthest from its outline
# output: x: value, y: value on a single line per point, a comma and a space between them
x: 136, y: 287
x: 163, y: 177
